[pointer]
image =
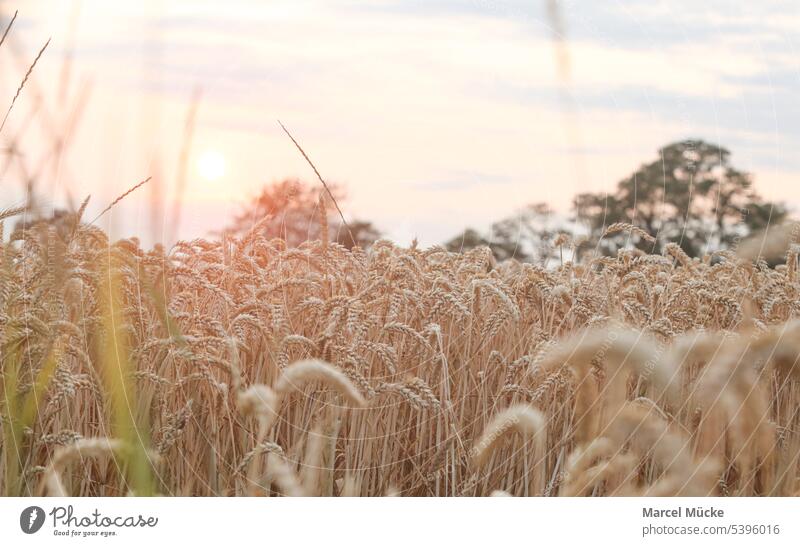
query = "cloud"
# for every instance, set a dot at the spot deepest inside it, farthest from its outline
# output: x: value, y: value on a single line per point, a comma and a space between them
x: 425, y: 107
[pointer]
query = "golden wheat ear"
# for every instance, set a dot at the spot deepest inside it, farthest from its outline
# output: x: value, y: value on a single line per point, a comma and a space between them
x: 523, y: 419
x: 259, y: 401
x: 297, y: 375
x: 83, y: 448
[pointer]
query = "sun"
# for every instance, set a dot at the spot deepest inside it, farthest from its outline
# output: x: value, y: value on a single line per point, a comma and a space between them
x: 211, y: 165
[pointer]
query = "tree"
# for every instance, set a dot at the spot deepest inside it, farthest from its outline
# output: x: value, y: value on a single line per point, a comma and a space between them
x: 292, y: 210
x: 526, y: 236
x: 363, y: 234
x: 690, y: 195
x: 467, y: 240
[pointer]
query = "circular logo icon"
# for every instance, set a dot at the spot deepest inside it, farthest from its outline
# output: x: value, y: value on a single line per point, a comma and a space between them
x: 31, y: 519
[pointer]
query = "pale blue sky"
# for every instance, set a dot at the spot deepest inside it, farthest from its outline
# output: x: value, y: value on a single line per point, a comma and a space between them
x: 435, y: 114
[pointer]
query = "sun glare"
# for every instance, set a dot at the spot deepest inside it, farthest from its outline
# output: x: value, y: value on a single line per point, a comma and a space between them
x: 211, y: 166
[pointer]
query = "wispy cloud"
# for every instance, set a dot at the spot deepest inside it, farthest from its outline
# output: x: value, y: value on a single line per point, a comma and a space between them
x: 427, y: 106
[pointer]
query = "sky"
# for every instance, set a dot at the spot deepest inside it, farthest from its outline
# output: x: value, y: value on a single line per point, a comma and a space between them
x: 434, y: 114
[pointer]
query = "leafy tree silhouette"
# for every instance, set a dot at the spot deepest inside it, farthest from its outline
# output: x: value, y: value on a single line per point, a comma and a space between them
x: 691, y: 195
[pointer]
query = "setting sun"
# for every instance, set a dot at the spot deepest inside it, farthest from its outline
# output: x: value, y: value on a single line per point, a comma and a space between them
x: 211, y: 166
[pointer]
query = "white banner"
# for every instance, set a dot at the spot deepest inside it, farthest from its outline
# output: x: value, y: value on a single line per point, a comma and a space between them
x: 401, y: 521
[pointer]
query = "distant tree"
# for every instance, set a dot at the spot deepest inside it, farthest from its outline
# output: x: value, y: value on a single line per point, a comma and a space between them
x: 467, y: 240
x: 690, y: 195
x: 292, y: 210
x: 364, y: 234
x: 526, y: 236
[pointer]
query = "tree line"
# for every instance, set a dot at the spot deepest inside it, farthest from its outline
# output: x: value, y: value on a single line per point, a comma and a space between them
x: 690, y: 194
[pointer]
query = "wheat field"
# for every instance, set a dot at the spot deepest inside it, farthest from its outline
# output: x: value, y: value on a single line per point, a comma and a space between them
x: 241, y: 367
